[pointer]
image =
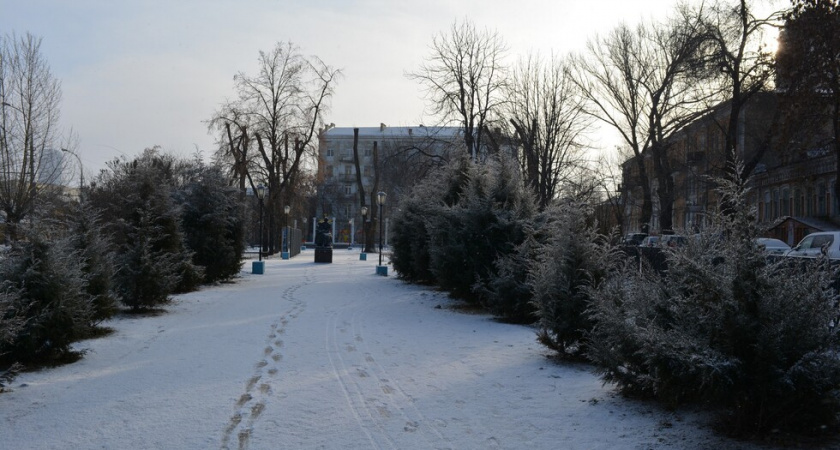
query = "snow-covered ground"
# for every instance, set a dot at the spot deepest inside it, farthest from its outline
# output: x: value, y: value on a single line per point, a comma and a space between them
x: 328, y: 356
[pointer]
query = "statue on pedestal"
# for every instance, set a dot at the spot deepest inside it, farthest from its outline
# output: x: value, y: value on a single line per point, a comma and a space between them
x: 323, y: 232
x: 323, y: 240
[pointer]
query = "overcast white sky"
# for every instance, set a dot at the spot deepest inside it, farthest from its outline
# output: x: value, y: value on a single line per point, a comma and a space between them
x: 139, y: 73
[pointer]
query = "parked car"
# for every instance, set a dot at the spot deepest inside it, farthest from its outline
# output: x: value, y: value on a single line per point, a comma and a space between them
x: 816, y: 244
x: 650, y: 241
x: 673, y: 240
x: 634, y: 238
x: 772, y: 246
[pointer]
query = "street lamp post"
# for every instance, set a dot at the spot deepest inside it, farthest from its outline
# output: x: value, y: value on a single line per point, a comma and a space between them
x: 81, y: 170
x: 305, y: 230
x: 380, y: 199
x: 260, y: 196
x: 363, y: 254
x: 258, y: 267
x: 287, y: 253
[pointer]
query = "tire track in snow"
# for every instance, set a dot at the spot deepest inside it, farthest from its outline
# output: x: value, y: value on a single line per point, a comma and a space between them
x: 383, y: 410
x: 254, y: 400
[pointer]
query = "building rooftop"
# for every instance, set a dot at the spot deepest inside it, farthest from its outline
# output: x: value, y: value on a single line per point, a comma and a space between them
x: 384, y: 131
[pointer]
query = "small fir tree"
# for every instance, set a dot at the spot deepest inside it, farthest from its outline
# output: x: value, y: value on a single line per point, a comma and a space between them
x: 213, y: 222
x: 573, y: 258
x: 46, y: 286
x: 87, y: 237
x: 411, y: 226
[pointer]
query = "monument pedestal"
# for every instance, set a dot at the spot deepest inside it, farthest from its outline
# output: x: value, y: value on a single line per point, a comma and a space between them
x: 323, y: 254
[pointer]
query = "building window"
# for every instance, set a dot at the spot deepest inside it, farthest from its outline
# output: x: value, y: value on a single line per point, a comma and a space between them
x: 767, y: 206
x: 348, y: 189
x: 368, y: 150
x: 785, y: 202
x: 330, y: 151
x: 775, y: 204
x: 822, y: 197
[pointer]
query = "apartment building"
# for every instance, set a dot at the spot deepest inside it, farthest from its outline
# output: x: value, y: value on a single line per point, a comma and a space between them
x: 390, y: 159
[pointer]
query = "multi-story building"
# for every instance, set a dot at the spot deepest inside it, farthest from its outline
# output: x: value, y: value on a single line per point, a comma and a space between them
x: 790, y: 187
x: 401, y: 157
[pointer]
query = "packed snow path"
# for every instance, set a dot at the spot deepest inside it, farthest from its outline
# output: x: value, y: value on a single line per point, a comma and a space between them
x: 327, y: 356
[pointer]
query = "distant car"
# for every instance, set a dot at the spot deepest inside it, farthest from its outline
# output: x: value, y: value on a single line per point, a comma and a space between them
x: 634, y: 238
x: 650, y: 241
x: 673, y: 240
x: 816, y: 244
x: 772, y: 246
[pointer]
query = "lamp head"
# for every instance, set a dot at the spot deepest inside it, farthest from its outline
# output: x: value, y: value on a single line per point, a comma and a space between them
x: 380, y: 198
x: 260, y: 191
x: 286, y: 209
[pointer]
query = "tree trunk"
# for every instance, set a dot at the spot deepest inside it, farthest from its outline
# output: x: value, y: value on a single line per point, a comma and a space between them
x: 647, y: 198
x: 370, y: 226
x: 360, y: 186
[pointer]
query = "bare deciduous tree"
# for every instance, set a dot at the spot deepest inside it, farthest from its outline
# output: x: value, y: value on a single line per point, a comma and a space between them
x: 30, y: 162
x: 740, y: 66
x: 547, y: 113
x: 279, y: 111
x: 464, y: 76
x: 640, y: 82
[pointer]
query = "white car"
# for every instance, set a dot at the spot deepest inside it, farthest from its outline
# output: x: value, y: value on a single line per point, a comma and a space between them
x: 816, y: 244
x: 673, y: 240
x: 772, y: 246
x: 650, y: 241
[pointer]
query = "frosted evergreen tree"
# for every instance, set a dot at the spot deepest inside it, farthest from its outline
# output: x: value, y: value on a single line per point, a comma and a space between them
x: 149, y: 273
x: 507, y: 215
x: 754, y: 338
x: 485, y: 224
x: 411, y: 227
x: 11, y: 322
x: 144, y: 224
x: 213, y: 222
x: 573, y: 258
x: 87, y: 236
x: 44, y: 284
